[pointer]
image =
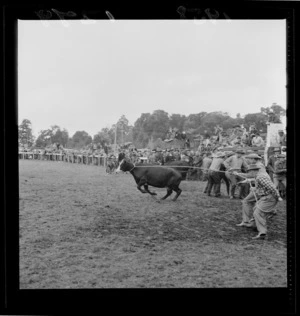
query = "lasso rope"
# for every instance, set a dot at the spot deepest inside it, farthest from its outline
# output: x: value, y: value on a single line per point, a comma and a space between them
x: 186, y: 167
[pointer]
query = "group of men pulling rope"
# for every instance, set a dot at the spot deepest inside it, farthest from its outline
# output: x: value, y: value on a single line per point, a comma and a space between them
x: 259, y: 202
x: 264, y: 194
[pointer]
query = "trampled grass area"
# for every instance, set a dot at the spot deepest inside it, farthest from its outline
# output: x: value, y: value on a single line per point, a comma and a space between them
x: 83, y: 228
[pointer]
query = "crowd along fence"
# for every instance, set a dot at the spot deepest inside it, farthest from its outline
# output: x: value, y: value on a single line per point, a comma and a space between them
x: 97, y: 160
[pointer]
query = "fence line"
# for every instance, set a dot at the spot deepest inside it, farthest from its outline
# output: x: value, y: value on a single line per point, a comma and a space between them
x: 71, y: 158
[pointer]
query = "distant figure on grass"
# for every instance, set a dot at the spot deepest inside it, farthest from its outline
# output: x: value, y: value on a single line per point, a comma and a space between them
x: 156, y: 176
x: 260, y: 200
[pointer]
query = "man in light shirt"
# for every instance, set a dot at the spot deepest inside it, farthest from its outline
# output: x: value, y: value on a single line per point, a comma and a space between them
x: 257, y: 141
x: 235, y: 163
x: 281, y: 138
x: 214, y: 176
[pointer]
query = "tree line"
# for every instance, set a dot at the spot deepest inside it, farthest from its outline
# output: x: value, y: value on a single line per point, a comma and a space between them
x: 149, y: 127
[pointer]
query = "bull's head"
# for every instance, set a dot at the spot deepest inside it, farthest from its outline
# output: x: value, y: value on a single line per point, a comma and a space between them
x: 123, y: 166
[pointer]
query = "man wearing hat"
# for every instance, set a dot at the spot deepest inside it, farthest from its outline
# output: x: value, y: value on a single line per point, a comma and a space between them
x: 282, y: 138
x: 280, y: 170
x: 271, y: 162
x: 254, y: 158
x: 235, y: 163
x: 214, y: 176
x: 262, y: 200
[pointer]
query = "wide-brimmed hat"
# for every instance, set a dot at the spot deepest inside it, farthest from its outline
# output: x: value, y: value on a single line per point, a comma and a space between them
x: 229, y: 153
x: 219, y: 154
x: 253, y: 156
x: 281, y: 156
x: 253, y: 167
x: 240, y: 151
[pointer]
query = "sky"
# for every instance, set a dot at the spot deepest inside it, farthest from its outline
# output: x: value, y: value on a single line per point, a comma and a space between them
x: 86, y: 76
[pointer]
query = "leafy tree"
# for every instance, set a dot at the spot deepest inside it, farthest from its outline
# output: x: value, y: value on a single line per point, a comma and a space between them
x: 194, y: 122
x: 102, y: 137
x: 52, y: 135
x: 259, y: 119
x: 122, y: 129
x: 140, y: 130
x: 177, y: 121
x: 214, y: 118
x: 60, y: 137
x: 25, y: 133
x: 159, y: 124
x: 44, y: 138
x: 275, y: 108
x: 81, y: 139
x: 274, y: 113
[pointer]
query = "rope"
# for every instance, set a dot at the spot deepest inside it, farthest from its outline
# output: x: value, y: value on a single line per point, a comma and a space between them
x: 187, y: 167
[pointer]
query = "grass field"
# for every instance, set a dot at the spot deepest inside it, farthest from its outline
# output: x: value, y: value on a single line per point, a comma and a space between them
x: 83, y: 228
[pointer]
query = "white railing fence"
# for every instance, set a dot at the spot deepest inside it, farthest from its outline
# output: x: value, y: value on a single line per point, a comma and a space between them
x: 96, y: 160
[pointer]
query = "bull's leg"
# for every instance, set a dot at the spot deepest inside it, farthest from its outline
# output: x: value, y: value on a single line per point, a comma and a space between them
x: 146, y: 188
x: 178, y: 191
x: 141, y: 183
x: 169, y: 192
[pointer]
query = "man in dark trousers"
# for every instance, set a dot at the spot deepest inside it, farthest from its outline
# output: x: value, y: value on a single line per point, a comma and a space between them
x: 214, y: 176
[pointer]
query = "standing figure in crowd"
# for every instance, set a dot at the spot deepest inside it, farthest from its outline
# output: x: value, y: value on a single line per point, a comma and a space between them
x: 177, y: 155
x: 197, y: 162
x: 235, y: 163
x: 260, y: 200
x: 159, y: 157
x: 207, y: 160
x: 187, y: 143
x: 271, y: 162
x: 281, y: 138
x: 257, y: 141
x: 245, y: 139
x: 214, y: 175
x: 280, y: 170
x: 252, y: 129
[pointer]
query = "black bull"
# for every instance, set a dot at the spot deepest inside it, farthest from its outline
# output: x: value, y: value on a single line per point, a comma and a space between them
x: 156, y: 176
x: 181, y: 166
